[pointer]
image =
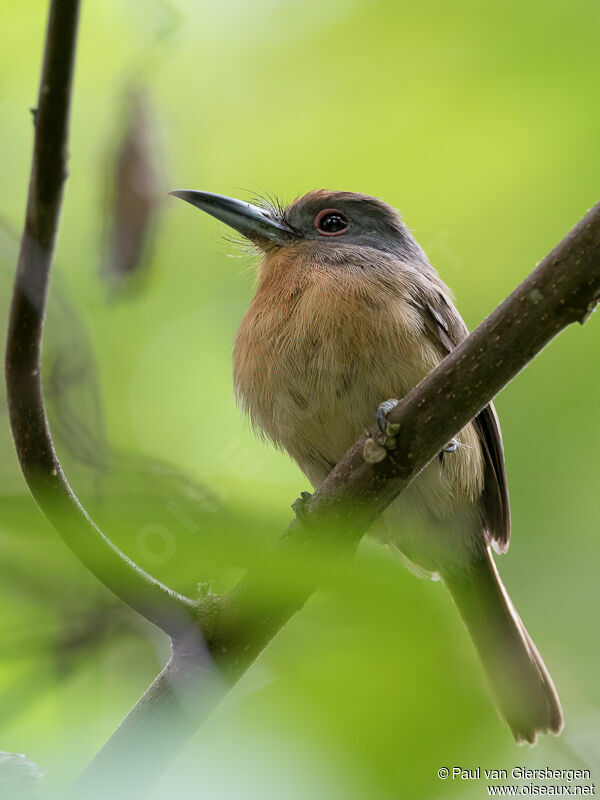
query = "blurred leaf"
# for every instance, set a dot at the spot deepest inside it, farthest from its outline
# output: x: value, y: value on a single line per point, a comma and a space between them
x: 20, y: 779
x: 136, y: 192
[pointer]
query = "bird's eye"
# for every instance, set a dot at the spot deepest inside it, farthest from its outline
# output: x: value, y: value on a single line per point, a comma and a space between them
x: 331, y: 222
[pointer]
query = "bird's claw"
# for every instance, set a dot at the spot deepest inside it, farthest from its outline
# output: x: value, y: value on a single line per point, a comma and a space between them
x: 376, y: 447
x: 451, y: 447
x: 299, y: 505
x: 387, y: 428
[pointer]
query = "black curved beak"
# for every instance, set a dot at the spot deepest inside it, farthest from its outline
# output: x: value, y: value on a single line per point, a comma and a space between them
x: 251, y: 221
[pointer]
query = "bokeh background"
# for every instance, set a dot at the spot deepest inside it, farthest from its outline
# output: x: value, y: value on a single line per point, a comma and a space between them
x: 481, y: 123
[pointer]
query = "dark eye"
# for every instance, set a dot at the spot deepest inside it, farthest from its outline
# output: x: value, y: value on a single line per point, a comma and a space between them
x: 331, y: 222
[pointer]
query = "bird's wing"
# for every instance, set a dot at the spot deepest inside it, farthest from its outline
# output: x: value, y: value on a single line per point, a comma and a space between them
x: 446, y: 329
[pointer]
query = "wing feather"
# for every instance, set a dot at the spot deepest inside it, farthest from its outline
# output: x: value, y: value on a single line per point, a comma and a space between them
x: 446, y: 329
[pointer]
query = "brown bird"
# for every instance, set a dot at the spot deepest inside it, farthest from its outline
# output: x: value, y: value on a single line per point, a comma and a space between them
x: 349, y: 312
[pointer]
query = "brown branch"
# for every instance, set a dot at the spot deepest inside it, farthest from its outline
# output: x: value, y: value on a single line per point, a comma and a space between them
x: 29, y: 422
x: 564, y: 288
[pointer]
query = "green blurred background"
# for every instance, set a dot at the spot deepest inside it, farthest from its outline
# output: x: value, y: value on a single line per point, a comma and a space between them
x: 481, y: 123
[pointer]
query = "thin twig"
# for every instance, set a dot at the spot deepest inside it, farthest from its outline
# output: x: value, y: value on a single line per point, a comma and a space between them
x: 41, y: 468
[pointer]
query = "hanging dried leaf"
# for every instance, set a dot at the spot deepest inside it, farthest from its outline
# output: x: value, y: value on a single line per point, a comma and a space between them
x: 136, y: 191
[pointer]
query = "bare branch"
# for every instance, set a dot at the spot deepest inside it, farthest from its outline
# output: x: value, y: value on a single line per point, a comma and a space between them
x: 41, y: 468
x: 564, y: 288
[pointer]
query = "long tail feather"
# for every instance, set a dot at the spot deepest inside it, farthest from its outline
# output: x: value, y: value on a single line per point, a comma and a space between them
x: 518, y: 678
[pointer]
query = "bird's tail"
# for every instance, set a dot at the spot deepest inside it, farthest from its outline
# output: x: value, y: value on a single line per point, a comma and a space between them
x: 519, y: 681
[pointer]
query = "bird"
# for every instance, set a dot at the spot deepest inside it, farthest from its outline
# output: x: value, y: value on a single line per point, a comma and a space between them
x: 348, y: 315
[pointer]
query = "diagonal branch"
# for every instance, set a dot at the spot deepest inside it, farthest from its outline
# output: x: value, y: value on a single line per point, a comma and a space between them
x: 564, y: 288
x: 29, y: 422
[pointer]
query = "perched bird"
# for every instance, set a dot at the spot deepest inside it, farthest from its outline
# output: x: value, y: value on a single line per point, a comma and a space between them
x: 347, y: 314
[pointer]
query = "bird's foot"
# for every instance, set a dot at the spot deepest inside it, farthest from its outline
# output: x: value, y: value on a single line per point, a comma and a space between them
x: 299, y: 505
x: 451, y: 447
x: 376, y: 447
x: 387, y: 428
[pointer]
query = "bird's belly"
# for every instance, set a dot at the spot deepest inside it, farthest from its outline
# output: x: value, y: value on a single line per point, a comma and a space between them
x: 317, y: 416
x: 315, y: 401
x: 435, y: 521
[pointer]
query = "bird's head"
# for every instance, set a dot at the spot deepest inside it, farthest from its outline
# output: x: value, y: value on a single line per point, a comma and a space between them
x: 320, y: 222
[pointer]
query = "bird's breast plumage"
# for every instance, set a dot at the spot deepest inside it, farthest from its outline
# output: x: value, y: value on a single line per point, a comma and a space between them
x: 322, y: 344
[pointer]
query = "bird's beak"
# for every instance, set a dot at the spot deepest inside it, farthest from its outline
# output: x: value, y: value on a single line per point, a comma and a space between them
x: 251, y: 221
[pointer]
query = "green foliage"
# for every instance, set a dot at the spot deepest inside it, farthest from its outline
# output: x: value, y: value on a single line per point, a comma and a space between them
x: 480, y: 123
